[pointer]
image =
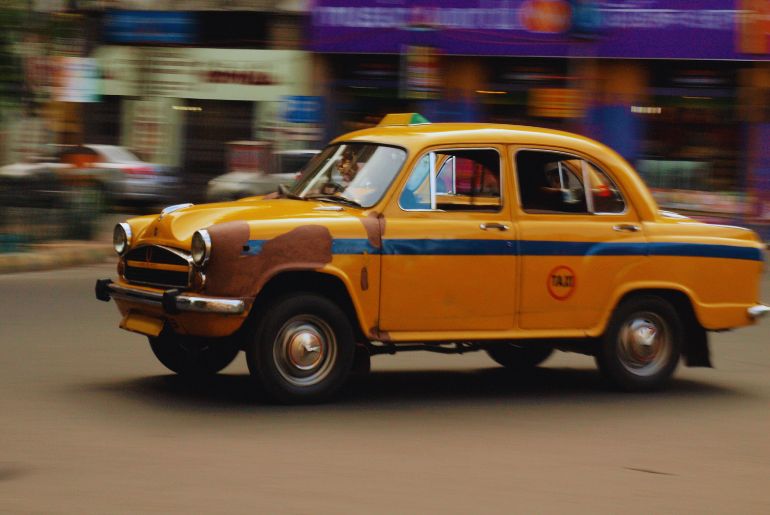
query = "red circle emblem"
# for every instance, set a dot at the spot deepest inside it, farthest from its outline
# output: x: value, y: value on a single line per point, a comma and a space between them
x: 561, y: 282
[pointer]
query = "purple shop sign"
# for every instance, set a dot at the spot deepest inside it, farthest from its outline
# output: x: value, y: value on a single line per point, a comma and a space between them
x: 547, y: 28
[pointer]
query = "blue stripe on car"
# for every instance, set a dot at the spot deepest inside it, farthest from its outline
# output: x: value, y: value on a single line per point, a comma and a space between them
x: 446, y: 247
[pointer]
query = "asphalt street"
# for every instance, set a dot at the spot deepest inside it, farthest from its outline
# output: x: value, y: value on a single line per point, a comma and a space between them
x: 90, y: 422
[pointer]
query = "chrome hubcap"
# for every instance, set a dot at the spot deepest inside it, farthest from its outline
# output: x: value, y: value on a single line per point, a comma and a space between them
x: 644, y: 344
x: 305, y: 350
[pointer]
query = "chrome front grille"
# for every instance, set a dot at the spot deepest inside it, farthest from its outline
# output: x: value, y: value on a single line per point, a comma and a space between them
x: 156, y: 265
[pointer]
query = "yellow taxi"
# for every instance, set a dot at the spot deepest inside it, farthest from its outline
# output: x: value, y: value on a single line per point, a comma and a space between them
x: 439, y: 237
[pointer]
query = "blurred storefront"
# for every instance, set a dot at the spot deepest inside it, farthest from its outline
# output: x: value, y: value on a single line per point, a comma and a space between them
x: 47, y: 76
x: 663, y: 83
x: 183, y: 83
x: 183, y: 104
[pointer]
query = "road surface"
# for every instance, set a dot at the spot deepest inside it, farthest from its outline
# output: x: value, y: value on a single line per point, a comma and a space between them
x: 91, y: 423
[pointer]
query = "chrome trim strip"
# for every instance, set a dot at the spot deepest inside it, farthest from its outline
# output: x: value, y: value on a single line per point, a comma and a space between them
x: 210, y: 305
x: 758, y: 311
x: 183, y: 302
x: 171, y: 209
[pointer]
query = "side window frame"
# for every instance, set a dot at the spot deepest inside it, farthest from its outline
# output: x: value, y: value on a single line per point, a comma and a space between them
x: 451, y: 165
x: 585, y: 176
x: 433, y: 173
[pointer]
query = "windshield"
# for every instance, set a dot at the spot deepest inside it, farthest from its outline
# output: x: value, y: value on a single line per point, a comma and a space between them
x: 358, y: 173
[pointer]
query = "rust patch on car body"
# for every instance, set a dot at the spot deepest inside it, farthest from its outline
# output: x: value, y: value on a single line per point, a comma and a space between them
x: 377, y: 335
x: 374, y: 225
x: 364, y: 279
x: 224, y: 275
x: 232, y: 273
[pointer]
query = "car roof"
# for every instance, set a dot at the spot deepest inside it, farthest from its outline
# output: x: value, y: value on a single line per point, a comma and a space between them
x: 418, y: 136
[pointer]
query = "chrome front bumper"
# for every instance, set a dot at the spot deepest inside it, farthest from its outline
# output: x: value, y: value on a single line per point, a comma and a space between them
x: 758, y: 311
x: 172, y: 301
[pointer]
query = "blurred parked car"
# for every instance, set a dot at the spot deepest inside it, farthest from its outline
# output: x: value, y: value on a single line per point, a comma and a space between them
x: 117, y: 174
x: 139, y: 181
x: 53, y: 195
x: 252, y: 173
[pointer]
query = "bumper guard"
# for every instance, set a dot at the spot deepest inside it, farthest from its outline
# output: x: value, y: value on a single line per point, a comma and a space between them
x: 172, y: 301
x: 758, y: 311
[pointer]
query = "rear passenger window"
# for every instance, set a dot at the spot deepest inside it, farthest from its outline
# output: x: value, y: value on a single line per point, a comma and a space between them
x: 552, y: 182
x: 454, y: 180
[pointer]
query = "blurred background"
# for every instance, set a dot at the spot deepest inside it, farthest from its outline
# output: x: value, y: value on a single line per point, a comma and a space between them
x: 127, y: 105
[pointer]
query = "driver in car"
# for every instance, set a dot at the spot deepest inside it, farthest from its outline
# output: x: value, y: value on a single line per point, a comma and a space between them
x: 348, y: 168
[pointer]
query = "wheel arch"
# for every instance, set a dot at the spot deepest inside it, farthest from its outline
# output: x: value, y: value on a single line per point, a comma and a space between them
x: 323, y: 284
x: 695, y: 342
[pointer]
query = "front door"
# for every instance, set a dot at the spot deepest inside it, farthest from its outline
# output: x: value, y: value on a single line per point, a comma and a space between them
x: 449, y: 253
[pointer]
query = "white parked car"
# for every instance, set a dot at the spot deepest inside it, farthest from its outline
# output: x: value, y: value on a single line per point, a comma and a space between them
x: 286, y: 165
x: 116, y: 171
x: 139, y: 181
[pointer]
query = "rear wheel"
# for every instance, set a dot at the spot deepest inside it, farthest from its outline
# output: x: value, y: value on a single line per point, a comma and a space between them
x: 518, y: 356
x: 191, y: 355
x: 641, y: 347
x: 303, y: 349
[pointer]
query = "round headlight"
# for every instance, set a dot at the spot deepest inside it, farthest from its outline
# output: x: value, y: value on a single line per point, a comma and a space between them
x: 201, y: 247
x: 121, y: 238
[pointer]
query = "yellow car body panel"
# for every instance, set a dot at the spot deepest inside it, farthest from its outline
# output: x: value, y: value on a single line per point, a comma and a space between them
x: 465, y: 275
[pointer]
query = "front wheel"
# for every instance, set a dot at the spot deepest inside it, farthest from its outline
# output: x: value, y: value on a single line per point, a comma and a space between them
x: 641, y: 347
x: 191, y: 355
x: 303, y: 349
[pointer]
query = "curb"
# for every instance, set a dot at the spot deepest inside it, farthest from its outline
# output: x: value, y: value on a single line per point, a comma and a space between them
x: 60, y: 256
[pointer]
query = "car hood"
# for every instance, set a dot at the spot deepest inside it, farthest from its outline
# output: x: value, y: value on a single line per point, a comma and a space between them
x: 176, y: 228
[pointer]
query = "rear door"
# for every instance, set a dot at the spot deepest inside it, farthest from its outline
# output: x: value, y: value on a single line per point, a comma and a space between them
x: 579, y: 237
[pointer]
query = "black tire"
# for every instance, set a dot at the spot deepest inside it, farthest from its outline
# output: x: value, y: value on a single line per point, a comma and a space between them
x: 516, y: 356
x: 640, y: 349
x: 302, y: 351
x: 193, y: 356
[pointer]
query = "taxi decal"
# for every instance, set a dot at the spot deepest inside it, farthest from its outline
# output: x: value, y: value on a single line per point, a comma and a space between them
x: 469, y: 247
x: 561, y: 282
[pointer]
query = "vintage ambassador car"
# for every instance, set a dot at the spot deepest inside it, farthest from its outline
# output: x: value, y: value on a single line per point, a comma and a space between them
x: 441, y: 237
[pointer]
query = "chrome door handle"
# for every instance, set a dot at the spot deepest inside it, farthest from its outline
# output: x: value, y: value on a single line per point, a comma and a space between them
x: 494, y: 225
x: 627, y: 228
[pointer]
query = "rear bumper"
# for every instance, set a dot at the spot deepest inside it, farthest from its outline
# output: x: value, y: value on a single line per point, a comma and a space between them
x: 758, y: 311
x: 171, y: 301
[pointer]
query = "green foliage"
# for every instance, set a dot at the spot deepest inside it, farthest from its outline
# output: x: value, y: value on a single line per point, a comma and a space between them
x: 13, y: 18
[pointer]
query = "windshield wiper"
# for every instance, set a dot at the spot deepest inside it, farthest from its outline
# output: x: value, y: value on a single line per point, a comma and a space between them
x: 284, y: 192
x: 334, y: 198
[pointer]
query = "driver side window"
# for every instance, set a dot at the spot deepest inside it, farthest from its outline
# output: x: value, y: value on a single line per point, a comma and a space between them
x: 454, y: 180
